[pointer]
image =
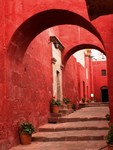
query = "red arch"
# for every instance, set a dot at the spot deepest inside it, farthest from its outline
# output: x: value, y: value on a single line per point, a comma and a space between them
x: 41, y: 21
x: 80, y: 47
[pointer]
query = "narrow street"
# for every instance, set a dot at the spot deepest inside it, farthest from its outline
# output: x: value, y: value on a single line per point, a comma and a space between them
x: 85, y: 129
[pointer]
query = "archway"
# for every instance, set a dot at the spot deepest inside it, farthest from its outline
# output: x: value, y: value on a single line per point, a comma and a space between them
x: 89, y: 75
x: 80, y: 47
x: 30, y: 29
x: 39, y: 22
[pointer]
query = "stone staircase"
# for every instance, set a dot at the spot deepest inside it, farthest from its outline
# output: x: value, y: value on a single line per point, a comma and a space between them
x: 86, y: 124
x: 98, y: 104
x: 54, y: 117
x: 58, y: 118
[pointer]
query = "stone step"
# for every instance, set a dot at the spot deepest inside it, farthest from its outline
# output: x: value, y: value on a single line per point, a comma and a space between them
x: 70, y: 135
x: 62, y: 112
x: 98, y: 104
x: 66, y: 111
x: 86, y: 125
x: 61, y: 145
x: 64, y: 119
x: 84, y: 114
x: 67, y: 145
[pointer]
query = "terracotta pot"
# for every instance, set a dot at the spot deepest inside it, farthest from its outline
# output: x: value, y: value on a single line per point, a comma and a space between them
x: 55, y: 109
x: 25, y: 138
x: 110, y: 147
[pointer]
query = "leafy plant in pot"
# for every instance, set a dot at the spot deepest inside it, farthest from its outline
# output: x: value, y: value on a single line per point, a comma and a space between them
x: 67, y: 102
x: 55, y: 104
x: 83, y: 100
x: 110, y: 138
x: 74, y: 107
x: 25, y: 131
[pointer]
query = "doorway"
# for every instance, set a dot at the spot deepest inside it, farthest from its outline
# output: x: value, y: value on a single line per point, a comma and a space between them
x: 84, y: 89
x: 104, y: 94
x: 58, y: 85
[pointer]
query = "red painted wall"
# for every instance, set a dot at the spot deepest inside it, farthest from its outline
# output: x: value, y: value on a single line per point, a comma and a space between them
x: 99, y: 80
x: 30, y: 86
x: 70, y: 80
x: 88, y: 71
x: 105, y: 22
x: 85, y: 75
x: 26, y: 83
x: 81, y: 78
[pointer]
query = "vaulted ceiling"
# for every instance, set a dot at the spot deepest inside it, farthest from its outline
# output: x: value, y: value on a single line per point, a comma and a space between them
x: 98, y: 8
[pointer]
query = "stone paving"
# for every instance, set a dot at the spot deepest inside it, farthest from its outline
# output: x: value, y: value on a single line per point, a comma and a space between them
x: 85, y: 129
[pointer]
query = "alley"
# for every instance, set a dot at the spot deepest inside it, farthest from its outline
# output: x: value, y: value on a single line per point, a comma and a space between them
x: 85, y: 129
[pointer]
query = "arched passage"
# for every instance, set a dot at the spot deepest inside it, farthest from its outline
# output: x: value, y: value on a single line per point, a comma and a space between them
x: 80, y: 47
x: 21, y: 40
x: 85, y: 80
x: 41, y: 21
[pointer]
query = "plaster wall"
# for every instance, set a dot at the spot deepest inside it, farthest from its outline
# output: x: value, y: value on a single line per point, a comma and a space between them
x: 26, y: 83
x: 99, y: 80
x: 57, y: 73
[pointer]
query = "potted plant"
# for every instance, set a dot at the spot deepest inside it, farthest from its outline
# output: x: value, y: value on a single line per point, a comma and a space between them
x: 74, y: 107
x: 25, y: 131
x: 108, y: 118
x: 67, y: 102
x: 110, y: 138
x: 83, y: 100
x: 55, y: 103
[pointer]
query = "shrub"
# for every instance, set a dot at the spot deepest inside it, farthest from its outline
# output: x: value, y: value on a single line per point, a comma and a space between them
x: 110, y: 135
x: 66, y: 100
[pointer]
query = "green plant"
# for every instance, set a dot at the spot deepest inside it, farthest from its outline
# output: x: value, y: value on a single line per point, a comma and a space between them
x: 110, y: 135
x: 107, y: 117
x: 74, y: 107
x: 26, y: 128
x: 66, y: 100
x: 83, y: 100
x: 55, y: 102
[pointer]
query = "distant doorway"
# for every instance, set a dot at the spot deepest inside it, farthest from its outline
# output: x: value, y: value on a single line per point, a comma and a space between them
x: 104, y: 94
x: 84, y: 89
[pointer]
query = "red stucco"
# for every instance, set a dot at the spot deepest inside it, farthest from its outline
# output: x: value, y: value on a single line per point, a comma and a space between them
x: 70, y: 80
x: 99, y: 80
x: 25, y: 58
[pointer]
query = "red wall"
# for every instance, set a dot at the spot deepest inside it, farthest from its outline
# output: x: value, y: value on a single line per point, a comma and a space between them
x: 30, y: 87
x: 70, y: 80
x: 26, y: 83
x: 81, y: 78
x: 85, y: 75
x: 99, y: 80
x: 88, y: 71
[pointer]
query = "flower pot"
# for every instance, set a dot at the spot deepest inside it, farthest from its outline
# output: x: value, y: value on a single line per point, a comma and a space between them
x: 110, y: 147
x: 25, y: 138
x: 55, y: 109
